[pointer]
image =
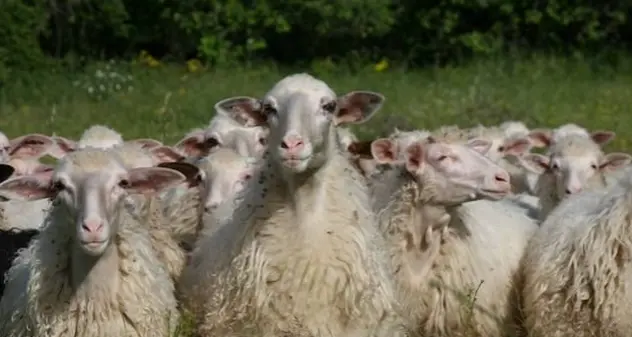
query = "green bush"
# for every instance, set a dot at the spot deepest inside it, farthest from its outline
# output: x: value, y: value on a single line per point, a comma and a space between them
x: 289, y: 31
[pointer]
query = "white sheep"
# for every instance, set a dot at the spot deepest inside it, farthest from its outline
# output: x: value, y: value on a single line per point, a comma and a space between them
x: 24, y: 152
x: 572, y: 164
x: 91, y: 271
x: 544, y: 138
x: 301, y: 255
x: 151, y: 208
x: 444, y: 246
x: 228, y: 122
x: 576, y: 267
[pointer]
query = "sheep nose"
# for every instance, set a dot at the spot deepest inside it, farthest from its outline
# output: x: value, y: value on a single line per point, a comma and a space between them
x: 292, y: 143
x: 92, y: 226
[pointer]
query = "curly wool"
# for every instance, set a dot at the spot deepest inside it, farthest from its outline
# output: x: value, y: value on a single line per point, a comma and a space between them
x: 133, y: 296
x: 468, y: 253
x: 575, y: 267
x: 264, y: 273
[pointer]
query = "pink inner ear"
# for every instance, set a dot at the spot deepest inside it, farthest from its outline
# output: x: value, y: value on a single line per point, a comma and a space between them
x: 148, y: 180
x: 384, y: 151
x: 192, y: 146
x: 65, y: 145
x: 540, y: 138
x: 414, y: 157
x: 165, y: 154
x: 602, y: 137
x: 30, y: 146
x: 31, y: 187
x: 517, y: 147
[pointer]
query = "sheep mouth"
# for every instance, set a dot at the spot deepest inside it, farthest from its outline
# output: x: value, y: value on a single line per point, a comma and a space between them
x: 494, y: 194
x: 94, y: 245
x: 295, y: 162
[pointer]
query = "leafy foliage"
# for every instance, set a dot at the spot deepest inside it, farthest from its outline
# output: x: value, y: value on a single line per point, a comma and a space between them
x: 232, y: 31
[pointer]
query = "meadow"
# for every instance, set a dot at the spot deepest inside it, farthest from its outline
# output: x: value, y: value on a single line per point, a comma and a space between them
x: 146, y: 98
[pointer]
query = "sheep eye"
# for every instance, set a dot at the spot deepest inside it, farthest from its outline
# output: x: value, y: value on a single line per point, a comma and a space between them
x: 268, y: 109
x: 555, y: 166
x: 501, y: 148
x: 330, y: 107
x: 263, y: 141
x: 442, y: 158
x: 594, y: 166
x: 58, y: 186
x: 124, y: 183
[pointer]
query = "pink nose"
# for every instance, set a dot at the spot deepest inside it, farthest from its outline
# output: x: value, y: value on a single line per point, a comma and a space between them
x: 292, y: 143
x: 573, y: 189
x: 92, y: 226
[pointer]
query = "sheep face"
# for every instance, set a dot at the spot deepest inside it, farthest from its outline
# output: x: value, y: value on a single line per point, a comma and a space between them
x: 226, y: 175
x: 301, y: 124
x: 250, y: 142
x: 458, y: 172
x: 573, y: 173
x: 90, y: 186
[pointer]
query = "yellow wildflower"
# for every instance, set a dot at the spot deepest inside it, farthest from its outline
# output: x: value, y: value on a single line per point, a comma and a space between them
x: 194, y: 65
x: 381, y: 66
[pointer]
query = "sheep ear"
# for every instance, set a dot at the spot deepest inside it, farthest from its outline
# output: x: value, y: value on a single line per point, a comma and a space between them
x: 534, y: 162
x: 63, y: 146
x: 31, y: 187
x: 30, y: 146
x: 479, y: 145
x: 602, y: 137
x: 361, y: 149
x: 192, y: 173
x: 197, y: 144
x: 540, y: 138
x: 358, y: 107
x: 614, y: 161
x: 384, y: 151
x: 151, y: 180
x: 146, y: 143
x: 245, y: 110
x: 166, y: 154
x: 5, y: 172
x: 517, y: 147
x: 415, y: 157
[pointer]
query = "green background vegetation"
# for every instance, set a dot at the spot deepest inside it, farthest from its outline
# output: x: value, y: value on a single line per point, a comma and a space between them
x: 437, y: 62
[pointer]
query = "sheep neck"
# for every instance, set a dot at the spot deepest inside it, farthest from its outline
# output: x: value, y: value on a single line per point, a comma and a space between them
x: 93, y: 275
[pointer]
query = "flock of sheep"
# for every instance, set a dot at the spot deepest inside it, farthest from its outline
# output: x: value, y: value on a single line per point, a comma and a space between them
x: 275, y: 220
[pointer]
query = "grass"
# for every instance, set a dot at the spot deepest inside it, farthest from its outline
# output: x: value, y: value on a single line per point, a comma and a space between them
x: 167, y: 100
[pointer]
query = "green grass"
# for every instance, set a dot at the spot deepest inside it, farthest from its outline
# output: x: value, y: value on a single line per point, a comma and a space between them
x: 544, y: 92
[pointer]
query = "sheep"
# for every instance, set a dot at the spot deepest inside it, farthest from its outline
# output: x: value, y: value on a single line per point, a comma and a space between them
x: 575, y: 267
x: 91, y: 271
x: 10, y: 240
x: 301, y: 254
x: 163, y: 238
x: 442, y: 242
x: 229, y: 119
x: 225, y: 174
x: 24, y: 153
x: 543, y: 138
x: 574, y: 163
